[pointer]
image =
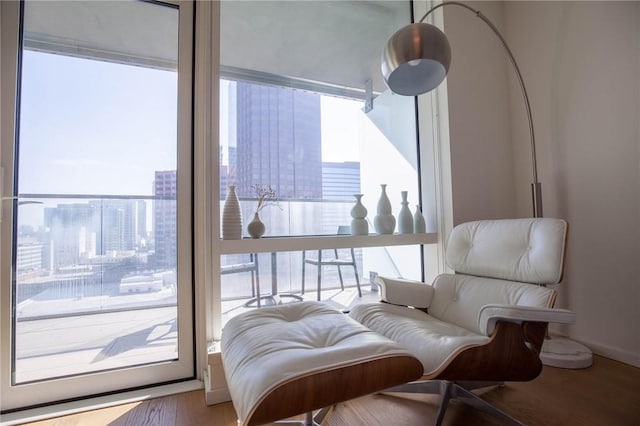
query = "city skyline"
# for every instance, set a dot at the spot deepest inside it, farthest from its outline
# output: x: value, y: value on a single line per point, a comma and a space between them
x: 123, y: 148
x: 82, y: 149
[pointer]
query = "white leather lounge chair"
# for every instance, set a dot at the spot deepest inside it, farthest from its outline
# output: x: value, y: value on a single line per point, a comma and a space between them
x: 486, y: 323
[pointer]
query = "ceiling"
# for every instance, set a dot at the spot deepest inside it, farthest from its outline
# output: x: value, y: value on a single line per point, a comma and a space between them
x: 331, y: 42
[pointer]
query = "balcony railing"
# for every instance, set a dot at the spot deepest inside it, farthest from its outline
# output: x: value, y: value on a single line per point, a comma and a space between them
x: 81, y: 254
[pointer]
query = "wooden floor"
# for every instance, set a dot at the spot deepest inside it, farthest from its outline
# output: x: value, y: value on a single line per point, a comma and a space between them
x: 607, y: 394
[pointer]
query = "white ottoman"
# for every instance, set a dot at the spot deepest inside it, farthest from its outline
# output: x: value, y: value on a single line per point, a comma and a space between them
x: 291, y: 359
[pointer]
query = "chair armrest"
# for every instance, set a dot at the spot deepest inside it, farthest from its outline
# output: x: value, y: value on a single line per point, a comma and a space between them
x: 398, y: 291
x: 490, y: 314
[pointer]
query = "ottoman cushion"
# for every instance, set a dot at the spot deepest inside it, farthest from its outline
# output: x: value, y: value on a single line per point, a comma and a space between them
x: 290, y: 359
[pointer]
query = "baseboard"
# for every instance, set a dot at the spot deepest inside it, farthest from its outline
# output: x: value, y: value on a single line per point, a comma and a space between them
x: 617, y: 354
x: 215, y: 383
x: 214, y: 396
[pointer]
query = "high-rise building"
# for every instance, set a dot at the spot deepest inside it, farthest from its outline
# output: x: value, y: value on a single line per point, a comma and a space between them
x: 165, y: 222
x: 232, y: 134
x: 118, y: 225
x: 84, y: 230
x: 232, y: 167
x: 29, y: 256
x: 224, y: 181
x: 141, y: 220
x: 278, y: 141
x: 340, y: 180
x: 70, y: 229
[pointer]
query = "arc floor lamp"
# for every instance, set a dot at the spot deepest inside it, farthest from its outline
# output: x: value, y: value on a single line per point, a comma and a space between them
x: 416, y: 60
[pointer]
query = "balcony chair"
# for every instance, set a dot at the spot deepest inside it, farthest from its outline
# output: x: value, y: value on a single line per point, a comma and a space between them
x: 319, y: 261
x: 250, y: 266
x: 486, y: 323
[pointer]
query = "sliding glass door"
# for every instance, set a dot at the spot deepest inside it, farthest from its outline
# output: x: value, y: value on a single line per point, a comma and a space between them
x: 96, y: 276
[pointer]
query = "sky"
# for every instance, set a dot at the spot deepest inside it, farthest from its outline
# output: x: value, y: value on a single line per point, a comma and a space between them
x: 99, y: 128
x: 92, y: 127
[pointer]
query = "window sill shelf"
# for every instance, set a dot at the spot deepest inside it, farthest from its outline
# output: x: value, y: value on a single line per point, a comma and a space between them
x: 276, y: 244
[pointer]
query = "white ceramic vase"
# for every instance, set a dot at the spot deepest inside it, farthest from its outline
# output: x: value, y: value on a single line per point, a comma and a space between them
x: 231, y: 216
x: 384, y: 222
x: 256, y: 228
x: 405, y: 218
x: 359, y: 225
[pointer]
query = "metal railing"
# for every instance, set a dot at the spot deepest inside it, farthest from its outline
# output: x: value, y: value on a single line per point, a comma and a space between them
x: 84, y: 257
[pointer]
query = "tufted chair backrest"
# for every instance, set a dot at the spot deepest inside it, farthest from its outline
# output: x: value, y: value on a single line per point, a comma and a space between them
x: 496, y: 261
x: 525, y: 250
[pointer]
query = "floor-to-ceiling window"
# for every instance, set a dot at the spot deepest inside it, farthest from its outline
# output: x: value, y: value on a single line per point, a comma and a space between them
x: 305, y: 113
x: 96, y: 234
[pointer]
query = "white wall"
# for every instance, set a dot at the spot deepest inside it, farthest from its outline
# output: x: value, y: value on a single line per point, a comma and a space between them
x: 581, y: 64
x: 479, y: 127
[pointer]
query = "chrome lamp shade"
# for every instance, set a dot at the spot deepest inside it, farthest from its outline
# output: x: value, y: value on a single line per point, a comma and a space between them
x: 416, y: 59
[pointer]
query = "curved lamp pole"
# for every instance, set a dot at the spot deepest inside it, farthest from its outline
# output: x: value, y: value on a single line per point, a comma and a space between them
x: 416, y: 60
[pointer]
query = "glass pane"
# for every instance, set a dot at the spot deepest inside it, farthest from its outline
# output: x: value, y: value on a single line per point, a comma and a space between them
x: 278, y: 277
x: 95, y: 260
x: 315, y: 152
x: 296, y: 123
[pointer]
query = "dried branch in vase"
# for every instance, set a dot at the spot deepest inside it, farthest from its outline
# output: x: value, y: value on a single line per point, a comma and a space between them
x: 266, y: 196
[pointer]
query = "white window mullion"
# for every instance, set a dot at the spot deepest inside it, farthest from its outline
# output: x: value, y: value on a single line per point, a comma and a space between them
x: 206, y: 146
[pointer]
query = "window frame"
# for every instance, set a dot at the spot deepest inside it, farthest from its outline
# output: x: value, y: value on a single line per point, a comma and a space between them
x: 21, y: 396
x: 427, y: 132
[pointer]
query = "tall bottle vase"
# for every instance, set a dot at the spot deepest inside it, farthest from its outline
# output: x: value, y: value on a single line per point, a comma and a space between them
x: 359, y: 224
x: 405, y: 218
x: 231, y: 216
x: 384, y: 222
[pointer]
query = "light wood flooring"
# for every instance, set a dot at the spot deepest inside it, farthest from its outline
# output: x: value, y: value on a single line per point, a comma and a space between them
x: 607, y: 394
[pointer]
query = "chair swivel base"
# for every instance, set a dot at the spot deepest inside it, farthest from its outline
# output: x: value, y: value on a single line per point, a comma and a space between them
x: 456, y: 390
x: 310, y: 419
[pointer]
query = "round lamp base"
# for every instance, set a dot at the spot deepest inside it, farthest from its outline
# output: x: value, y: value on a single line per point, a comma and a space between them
x: 564, y: 353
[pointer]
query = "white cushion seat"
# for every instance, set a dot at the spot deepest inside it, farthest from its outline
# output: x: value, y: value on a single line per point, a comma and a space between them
x: 432, y: 341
